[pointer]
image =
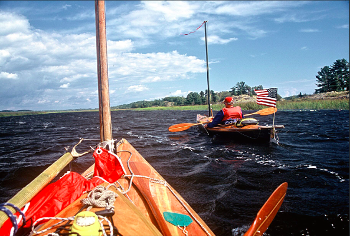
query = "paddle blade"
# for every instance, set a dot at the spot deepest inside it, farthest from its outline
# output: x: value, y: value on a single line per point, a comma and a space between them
x: 268, y: 212
x: 181, y: 127
x: 267, y: 111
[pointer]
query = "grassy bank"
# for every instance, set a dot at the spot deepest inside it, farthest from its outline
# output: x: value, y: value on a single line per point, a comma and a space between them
x: 334, y: 104
x: 296, y: 104
x: 20, y: 113
x: 26, y: 113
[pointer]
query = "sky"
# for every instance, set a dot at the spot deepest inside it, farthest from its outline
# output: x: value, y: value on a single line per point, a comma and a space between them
x: 48, y: 49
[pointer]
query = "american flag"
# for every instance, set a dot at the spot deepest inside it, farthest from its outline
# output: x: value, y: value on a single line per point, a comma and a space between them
x: 267, y: 97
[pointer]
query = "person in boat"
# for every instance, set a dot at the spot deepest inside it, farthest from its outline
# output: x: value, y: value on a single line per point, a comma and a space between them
x: 228, y: 115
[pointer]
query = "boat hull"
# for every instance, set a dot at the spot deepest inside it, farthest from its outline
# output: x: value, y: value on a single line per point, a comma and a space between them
x: 140, y: 211
x: 247, y: 133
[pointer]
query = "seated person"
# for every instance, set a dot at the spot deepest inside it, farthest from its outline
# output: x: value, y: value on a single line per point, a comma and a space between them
x: 228, y: 115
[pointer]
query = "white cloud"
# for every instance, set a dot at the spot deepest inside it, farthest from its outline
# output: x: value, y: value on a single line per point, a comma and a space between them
x: 170, y: 10
x: 5, y: 75
x: 253, y: 8
x: 137, y: 88
x: 309, y: 30
x: 11, y: 23
x: 346, y: 26
x: 178, y: 93
x: 155, y: 67
x: 65, y: 85
x: 290, y: 92
x: 66, y: 6
x: 214, y: 39
x: 119, y: 46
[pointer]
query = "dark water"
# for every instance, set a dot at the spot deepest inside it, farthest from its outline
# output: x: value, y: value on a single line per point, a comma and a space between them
x: 225, y: 182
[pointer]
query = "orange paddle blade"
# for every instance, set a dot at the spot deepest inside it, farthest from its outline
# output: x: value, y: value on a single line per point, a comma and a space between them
x: 181, y: 127
x: 267, y: 111
x: 268, y: 212
x: 264, y: 112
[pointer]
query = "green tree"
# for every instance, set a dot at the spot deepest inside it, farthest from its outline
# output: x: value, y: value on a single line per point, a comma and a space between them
x: 340, y: 73
x: 214, y: 97
x: 233, y: 91
x: 206, y: 97
x: 193, y: 98
x: 203, y: 98
x: 223, y: 94
x: 178, y: 101
x: 333, y: 78
x: 324, y: 80
x: 242, y: 88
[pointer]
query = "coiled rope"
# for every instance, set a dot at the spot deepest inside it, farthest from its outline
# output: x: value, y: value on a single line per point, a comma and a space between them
x: 100, y: 197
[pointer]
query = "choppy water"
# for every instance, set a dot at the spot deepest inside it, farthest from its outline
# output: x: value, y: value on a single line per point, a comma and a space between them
x: 225, y: 182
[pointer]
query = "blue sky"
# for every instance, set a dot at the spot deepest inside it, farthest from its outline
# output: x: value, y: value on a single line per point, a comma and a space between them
x: 48, y: 53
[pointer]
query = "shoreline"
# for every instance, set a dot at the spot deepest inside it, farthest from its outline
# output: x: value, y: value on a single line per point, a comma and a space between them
x: 326, y: 101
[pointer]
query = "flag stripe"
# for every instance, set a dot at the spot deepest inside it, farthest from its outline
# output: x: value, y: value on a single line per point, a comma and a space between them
x: 266, y: 103
x: 267, y: 97
x: 263, y: 92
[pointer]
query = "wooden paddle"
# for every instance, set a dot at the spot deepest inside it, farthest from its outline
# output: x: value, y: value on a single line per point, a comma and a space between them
x: 186, y: 126
x: 268, y: 212
x: 183, y: 126
x: 264, y: 112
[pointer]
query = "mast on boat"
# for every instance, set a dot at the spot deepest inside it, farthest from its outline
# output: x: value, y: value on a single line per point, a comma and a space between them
x: 206, y: 53
x: 102, y: 72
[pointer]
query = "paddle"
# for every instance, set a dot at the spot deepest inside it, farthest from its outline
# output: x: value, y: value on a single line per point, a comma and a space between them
x: 186, y: 126
x: 268, y: 211
x: 183, y: 126
x: 264, y: 112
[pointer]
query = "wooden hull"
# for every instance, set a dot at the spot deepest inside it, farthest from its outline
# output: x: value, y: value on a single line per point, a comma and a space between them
x: 252, y: 133
x: 140, y: 211
x: 248, y: 133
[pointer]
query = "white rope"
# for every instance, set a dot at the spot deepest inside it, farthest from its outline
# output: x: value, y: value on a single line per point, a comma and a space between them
x: 183, y: 230
x: 49, y: 218
x: 100, y: 197
x: 109, y: 224
x: 71, y: 219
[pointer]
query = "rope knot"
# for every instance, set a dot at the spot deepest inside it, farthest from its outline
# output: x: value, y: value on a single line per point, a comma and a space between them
x: 100, y: 197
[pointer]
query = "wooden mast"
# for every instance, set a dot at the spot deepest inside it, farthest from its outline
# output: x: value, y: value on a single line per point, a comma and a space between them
x: 102, y: 72
x: 206, y: 53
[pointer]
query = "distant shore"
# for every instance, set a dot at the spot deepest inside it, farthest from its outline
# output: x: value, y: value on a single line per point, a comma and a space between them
x: 324, y: 101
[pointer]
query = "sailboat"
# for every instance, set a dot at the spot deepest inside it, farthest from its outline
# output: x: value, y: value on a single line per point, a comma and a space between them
x: 119, y: 194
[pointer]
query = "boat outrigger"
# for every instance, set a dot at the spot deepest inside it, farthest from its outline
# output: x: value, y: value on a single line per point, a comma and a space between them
x: 120, y: 194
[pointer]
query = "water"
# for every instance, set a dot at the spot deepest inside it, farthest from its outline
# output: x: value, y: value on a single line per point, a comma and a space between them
x: 225, y: 182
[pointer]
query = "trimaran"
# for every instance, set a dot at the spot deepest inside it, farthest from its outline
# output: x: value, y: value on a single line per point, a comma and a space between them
x: 120, y: 194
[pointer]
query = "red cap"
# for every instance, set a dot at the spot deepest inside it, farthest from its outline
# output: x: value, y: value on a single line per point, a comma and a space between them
x: 228, y: 100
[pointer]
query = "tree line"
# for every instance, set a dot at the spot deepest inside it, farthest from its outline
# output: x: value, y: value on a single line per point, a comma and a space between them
x: 330, y: 78
x: 334, y: 77
x: 195, y: 98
